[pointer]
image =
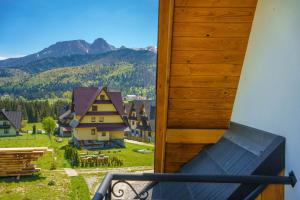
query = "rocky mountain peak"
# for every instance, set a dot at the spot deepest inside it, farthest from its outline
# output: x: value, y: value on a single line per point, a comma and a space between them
x: 100, y: 46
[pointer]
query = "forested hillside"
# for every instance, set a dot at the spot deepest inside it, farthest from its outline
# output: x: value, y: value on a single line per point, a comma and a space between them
x: 129, y: 78
x: 36, y: 110
x: 54, y: 71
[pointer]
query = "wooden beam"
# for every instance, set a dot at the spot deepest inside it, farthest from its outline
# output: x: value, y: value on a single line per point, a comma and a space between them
x: 273, y: 191
x: 17, y: 161
x: 216, y: 3
x: 194, y: 136
x: 165, y: 29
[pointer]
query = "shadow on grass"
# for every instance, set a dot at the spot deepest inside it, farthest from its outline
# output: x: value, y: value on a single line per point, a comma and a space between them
x: 19, y: 137
x: 13, y: 179
x: 63, y: 147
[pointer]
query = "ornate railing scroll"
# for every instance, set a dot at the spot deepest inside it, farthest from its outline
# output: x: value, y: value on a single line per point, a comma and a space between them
x: 108, y: 189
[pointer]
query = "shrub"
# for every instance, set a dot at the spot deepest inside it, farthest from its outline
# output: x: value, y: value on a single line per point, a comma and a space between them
x: 34, y: 129
x: 72, y: 155
x: 51, y: 183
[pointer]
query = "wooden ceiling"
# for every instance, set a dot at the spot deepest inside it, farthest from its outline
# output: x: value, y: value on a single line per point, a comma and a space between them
x: 201, y: 49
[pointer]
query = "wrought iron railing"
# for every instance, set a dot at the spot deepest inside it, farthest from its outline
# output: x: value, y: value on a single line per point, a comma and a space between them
x: 107, y: 189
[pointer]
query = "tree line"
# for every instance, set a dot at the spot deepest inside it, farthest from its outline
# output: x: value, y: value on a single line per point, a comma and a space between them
x: 35, y: 110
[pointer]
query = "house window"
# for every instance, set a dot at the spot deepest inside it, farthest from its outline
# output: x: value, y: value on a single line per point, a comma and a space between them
x: 4, y: 123
x: 102, y: 97
x: 132, y: 123
x: 93, y: 131
x: 93, y: 119
x: 94, y: 108
x: 6, y: 131
x: 103, y: 134
x: 101, y: 119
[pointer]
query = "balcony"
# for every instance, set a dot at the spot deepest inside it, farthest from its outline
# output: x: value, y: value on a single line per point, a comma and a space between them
x: 236, y: 167
x: 111, y: 187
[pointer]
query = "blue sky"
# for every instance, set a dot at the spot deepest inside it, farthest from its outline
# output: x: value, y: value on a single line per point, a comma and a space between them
x: 28, y: 26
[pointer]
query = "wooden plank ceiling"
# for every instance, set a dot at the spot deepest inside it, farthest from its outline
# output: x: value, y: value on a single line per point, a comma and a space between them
x: 201, y: 49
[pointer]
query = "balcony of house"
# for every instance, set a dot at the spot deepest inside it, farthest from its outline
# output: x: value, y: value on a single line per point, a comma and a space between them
x: 227, y: 114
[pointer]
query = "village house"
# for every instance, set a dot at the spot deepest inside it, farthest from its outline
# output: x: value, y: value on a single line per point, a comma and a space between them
x: 64, y: 120
x: 98, y: 118
x: 10, y: 122
x: 140, y: 118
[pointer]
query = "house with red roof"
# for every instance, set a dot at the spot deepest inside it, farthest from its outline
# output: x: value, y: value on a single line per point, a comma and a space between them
x: 10, y: 122
x: 98, y: 118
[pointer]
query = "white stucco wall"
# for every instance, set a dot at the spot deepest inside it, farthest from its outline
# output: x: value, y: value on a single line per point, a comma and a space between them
x: 268, y: 97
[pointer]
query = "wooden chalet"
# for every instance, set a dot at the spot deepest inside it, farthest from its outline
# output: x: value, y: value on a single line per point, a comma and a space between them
x: 140, y: 118
x: 10, y: 122
x: 98, y: 118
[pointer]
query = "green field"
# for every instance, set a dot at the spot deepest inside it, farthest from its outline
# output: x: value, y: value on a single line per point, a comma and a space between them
x: 129, y: 155
x: 40, y: 140
x: 39, y: 187
x: 28, y: 126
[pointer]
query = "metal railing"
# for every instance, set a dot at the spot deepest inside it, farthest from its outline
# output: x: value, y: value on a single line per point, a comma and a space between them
x: 107, y: 188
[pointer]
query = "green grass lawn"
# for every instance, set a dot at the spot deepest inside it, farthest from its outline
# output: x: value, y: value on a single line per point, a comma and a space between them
x: 38, y: 188
x: 28, y: 126
x: 40, y: 140
x: 128, y: 155
x: 79, y: 189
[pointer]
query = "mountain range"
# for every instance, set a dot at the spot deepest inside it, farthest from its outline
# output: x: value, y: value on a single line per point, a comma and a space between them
x: 69, y: 50
x: 16, y: 74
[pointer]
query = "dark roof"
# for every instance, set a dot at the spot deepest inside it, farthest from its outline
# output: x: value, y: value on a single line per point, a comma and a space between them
x: 241, y: 151
x: 83, y: 97
x: 104, y: 127
x: 125, y: 119
x: 102, y: 113
x: 111, y: 127
x: 116, y: 98
x: 150, y: 113
x: 127, y: 107
x: 65, y: 119
x: 14, y: 117
x: 65, y: 115
x: 143, y: 124
x: 137, y: 105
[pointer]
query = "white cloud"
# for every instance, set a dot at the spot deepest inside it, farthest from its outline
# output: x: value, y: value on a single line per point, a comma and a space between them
x: 3, y: 58
x: 6, y: 57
